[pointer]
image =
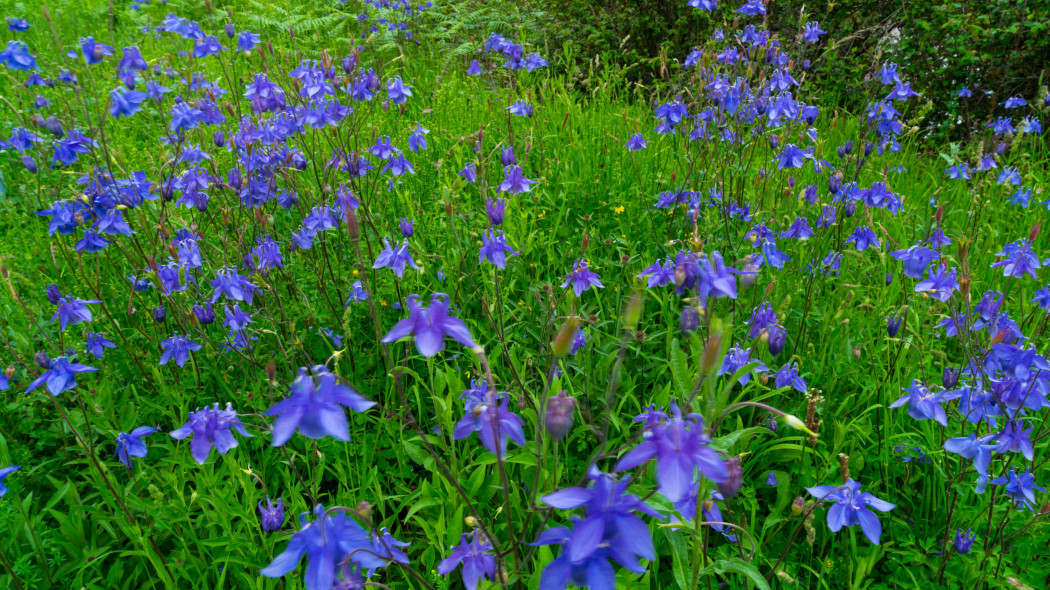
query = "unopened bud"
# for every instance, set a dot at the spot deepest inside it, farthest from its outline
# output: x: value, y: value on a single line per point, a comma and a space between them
x: 712, y: 358
x: 777, y: 339
x: 10, y: 371
x: 856, y: 353
x: 364, y: 509
x: 690, y: 319
x: 798, y: 506
x: 586, y: 240
x: 271, y: 371
x: 939, y: 215
x: 42, y: 360
x: 559, y: 417
x: 1032, y: 235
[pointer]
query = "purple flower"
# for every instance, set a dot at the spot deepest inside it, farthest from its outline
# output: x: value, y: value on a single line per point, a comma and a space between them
x: 97, y: 344
x: 636, y: 142
x: 271, y: 515
x: 129, y: 445
x: 131, y: 59
x: 520, y: 108
x: 753, y: 8
x: 680, y: 448
x: 1021, y: 488
x: 852, y: 508
x: 314, y: 407
x: 247, y: 41
x: 207, y: 46
x: 4, y: 473
x: 1014, y: 102
x: 210, y: 427
x: 357, y: 294
x: 469, y: 173
x: 94, y: 52
x: 494, y: 248
x: 478, y: 564
x: 430, y: 326
x: 863, y: 238
x: 1015, y: 438
x: 397, y: 91
x: 792, y: 157
x: 234, y: 286
x: 418, y: 141
x: 17, y: 57
x: 474, y: 69
x: 327, y: 542
x: 738, y: 358
x: 73, y: 311
x: 264, y: 94
x: 939, y: 283
x: 496, y: 211
x: 659, y: 276
x: 514, y: 182
x: 771, y: 479
x: 487, y: 414
x: 1018, y: 260
x: 177, y: 348
x: 788, y: 375
x: 963, y: 541
x: 708, y: 5
x: 608, y: 530
x: 812, y: 32
x: 395, y: 260
x: 916, y: 259
x: 582, y: 278
x: 923, y: 404
x: 799, y: 230
x: 61, y: 376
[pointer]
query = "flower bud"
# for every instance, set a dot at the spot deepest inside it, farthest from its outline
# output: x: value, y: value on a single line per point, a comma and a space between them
x: 777, y: 339
x: 565, y: 337
x: 42, y: 360
x: 731, y: 485
x: 712, y: 359
x: 950, y: 377
x: 160, y: 314
x: 29, y: 163
x: 364, y: 509
x: 798, y: 506
x: 834, y: 184
x: 856, y: 353
x: 271, y: 371
x: 771, y: 422
x: 774, y: 141
x: 850, y: 208
x: 205, y: 315
x: 893, y: 325
x: 964, y: 540
x: 560, y: 413
x: 889, y: 279
x: 231, y: 32
x: 53, y: 294
x: 690, y: 319
x: 406, y: 227
x: 219, y: 138
x: 939, y: 215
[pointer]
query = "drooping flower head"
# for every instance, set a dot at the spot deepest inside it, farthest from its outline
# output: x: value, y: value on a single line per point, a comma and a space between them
x: 429, y: 326
x: 130, y: 444
x: 852, y: 508
x: 475, y: 557
x: 582, y: 278
x: 314, y: 407
x: 211, y: 427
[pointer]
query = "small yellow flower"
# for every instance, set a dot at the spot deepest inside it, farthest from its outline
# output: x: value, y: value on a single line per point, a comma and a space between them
x: 618, y: 210
x: 355, y: 272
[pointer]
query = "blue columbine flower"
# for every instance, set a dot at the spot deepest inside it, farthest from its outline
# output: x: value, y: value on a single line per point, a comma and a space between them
x: 92, y: 242
x: 1021, y: 488
x: 271, y: 515
x: 418, y: 141
x: 474, y: 555
x: 17, y: 57
x: 494, y: 248
x: 469, y: 173
x: 916, y: 259
x: 397, y: 91
x: 964, y: 540
x: 210, y: 427
x: 430, y: 326
x: 863, y: 238
x: 680, y: 448
x: 939, y: 283
x: 177, y: 348
x: 788, y: 375
x: 852, y: 508
x: 514, y: 182
x: 327, y: 542
x: 608, y: 530
x: 129, y: 445
x: 487, y: 414
x: 395, y: 260
x: 771, y: 479
x: 314, y: 407
x: 72, y: 311
x: 357, y: 294
x: 496, y: 211
x: 474, y: 69
x: 979, y: 450
x: 61, y: 376
x: 636, y: 142
x: 738, y: 358
x: 659, y: 276
x: 1018, y: 260
x: 93, y: 51
x: 812, y: 32
x: 922, y: 403
x: 97, y: 344
x: 520, y: 108
x: 582, y: 278
x: 235, y: 287
x: 4, y: 473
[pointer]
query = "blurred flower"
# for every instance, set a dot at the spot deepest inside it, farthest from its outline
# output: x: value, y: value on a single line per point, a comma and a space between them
x: 478, y: 564
x: 430, y: 326
x: 314, y: 407
x: 272, y: 515
x: 60, y: 376
x: 4, y: 473
x: 97, y: 344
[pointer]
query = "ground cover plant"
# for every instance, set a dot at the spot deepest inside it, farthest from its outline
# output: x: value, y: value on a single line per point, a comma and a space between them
x: 329, y: 296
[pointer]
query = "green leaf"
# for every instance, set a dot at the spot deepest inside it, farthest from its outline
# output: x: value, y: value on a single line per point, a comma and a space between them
x: 680, y: 370
x: 738, y: 566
